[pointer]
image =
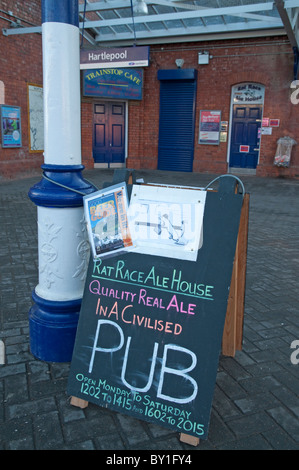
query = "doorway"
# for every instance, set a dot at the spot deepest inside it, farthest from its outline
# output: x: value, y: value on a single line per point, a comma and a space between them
x: 177, y: 119
x: 246, y: 125
x: 245, y: 136
x: 109, y: 133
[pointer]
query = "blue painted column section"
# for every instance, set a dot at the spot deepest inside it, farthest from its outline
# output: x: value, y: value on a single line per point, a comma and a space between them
x: 63, y: 248
x: 60, y: 11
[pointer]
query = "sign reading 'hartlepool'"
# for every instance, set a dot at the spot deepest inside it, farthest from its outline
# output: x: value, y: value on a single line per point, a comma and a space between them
x: 120, y: 57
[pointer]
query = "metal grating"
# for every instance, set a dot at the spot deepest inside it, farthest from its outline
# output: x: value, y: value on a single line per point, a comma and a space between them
x: 110, y: 23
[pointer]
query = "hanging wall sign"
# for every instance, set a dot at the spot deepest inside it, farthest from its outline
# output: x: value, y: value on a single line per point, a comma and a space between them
x: 209, y: 127
x: 113, y: 83
x: 120, y: 57
x: 151, y: 326
x: 11, y: 126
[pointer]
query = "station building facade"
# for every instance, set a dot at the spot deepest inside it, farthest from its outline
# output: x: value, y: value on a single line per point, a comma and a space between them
x: 212, y: 106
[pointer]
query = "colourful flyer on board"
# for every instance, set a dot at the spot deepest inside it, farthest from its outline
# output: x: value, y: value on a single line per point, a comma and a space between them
x: 107, y: 222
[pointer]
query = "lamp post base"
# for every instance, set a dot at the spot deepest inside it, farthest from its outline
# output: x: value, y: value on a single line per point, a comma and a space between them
x: 52, y: 327
x: 63, y: 260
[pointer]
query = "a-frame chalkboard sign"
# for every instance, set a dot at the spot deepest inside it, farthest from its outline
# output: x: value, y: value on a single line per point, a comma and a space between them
x: 150, y: 328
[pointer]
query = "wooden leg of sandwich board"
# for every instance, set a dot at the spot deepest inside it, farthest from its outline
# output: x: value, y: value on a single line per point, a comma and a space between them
x: 79, y: 402
x: 233, y: 328
x: 242, y: 261
x: 191, y: 440
x: 229, y: 332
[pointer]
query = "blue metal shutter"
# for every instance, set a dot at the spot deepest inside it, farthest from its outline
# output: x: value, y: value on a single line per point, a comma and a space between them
x: 177, y: 119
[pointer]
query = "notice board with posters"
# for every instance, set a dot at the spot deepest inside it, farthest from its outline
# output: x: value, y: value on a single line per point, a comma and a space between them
x: 10, y: 118
x: 150, y: 328
x: 209, y: 127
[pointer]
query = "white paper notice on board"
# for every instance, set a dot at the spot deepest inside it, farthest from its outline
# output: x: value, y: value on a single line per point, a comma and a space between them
x: 167, y: 221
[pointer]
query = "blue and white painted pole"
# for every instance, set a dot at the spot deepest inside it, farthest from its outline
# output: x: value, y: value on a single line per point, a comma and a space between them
x: 63, y: 249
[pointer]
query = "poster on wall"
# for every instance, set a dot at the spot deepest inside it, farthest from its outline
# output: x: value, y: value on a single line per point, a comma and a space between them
x: 11, y: 126
x: 209, y: 127
x: 274, y: 122
x: 35, y: 118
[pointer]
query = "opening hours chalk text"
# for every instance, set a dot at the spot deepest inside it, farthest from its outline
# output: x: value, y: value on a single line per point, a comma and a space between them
x: 141, y: 404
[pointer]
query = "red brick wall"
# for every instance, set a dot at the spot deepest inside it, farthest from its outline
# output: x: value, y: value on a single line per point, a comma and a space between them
x: 268, y: 61
x: 86, y: 132
x: 20, y: 64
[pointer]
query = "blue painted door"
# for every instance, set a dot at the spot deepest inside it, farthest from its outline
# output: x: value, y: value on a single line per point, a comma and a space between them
x: 109, y: 132
x: 245, y: 135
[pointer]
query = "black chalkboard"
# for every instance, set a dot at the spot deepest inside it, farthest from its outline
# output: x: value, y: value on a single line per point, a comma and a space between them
x: 150, y: 328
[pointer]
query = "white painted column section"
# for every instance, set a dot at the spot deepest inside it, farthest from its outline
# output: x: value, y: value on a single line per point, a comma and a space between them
x: 62, y: 114
x: 63, y: 253
x: 63, y: 248
x: 2, y: 352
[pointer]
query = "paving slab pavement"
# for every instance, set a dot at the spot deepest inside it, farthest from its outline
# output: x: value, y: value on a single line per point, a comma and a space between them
x: 255, y: 405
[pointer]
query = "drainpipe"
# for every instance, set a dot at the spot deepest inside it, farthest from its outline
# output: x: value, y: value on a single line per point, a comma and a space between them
x: 63, y: 249
x: 296, y: 62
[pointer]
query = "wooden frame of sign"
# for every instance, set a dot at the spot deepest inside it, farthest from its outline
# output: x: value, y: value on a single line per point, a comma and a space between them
x: 233, y: 325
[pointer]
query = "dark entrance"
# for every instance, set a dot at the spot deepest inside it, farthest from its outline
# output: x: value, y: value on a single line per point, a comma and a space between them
x: 109, y: 132
x: 177, y: 119
x: 245, y: 135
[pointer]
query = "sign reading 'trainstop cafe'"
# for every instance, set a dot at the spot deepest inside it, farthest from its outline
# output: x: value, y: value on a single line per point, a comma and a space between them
x: 115, y: 82
x: 114, y: 57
